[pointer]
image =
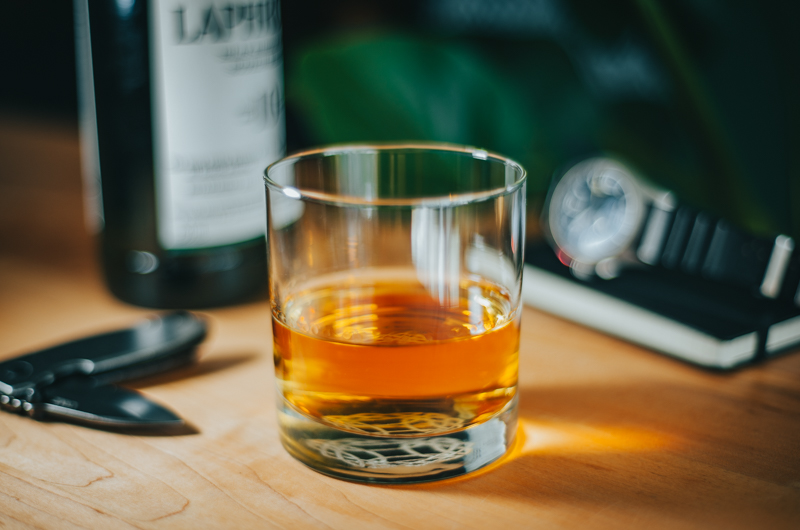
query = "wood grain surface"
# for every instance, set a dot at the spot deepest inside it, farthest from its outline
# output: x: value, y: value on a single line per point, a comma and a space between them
x: 611, y: 435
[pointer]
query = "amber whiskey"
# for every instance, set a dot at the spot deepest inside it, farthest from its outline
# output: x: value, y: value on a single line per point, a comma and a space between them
x: 393, y: 358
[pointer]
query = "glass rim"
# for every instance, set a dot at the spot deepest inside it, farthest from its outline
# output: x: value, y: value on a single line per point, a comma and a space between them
x: 374, y: 147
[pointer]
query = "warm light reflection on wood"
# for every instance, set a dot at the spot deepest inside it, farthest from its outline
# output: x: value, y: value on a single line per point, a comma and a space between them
x: 544, y: 436
x: 556, y: 436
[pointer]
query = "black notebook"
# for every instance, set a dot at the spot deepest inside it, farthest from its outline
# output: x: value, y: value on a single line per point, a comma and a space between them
x: 700, y: 321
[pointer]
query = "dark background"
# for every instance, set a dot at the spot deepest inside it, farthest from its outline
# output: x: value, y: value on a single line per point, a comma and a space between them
x: 699, y: 96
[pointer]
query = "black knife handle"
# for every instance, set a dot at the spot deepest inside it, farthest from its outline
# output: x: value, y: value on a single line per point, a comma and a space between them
x: 152, y: 341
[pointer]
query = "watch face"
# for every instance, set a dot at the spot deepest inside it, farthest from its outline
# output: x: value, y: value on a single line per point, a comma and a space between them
x: 595, y: 211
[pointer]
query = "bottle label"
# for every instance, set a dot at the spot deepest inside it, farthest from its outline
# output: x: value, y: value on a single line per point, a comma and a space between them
x: 218, y: 117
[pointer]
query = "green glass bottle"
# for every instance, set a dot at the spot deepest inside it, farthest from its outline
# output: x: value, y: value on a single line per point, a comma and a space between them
x: 181, y: 109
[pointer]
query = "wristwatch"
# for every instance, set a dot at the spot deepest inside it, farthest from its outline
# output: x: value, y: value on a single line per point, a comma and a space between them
x: 600, y: 217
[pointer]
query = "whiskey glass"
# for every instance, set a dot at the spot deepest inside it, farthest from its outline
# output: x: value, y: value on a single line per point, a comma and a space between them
x: 395, y: 274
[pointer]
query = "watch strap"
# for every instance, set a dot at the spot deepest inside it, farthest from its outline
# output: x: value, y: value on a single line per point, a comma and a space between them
x: 698, y: 243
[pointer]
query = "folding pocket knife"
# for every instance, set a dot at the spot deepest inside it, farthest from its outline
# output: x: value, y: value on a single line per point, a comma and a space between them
x: 74, y: 381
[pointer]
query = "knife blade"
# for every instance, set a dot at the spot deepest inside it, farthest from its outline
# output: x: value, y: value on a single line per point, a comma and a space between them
x: 71, y: 380
x: 86, y: 400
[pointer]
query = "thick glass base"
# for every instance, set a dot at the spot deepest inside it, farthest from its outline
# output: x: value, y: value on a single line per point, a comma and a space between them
x: 395, y: 459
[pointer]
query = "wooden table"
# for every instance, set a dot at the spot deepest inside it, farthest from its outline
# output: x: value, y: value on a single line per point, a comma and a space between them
x: 611, y: 435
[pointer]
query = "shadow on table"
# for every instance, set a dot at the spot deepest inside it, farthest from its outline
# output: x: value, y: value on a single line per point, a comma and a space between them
x: 200, y: 368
